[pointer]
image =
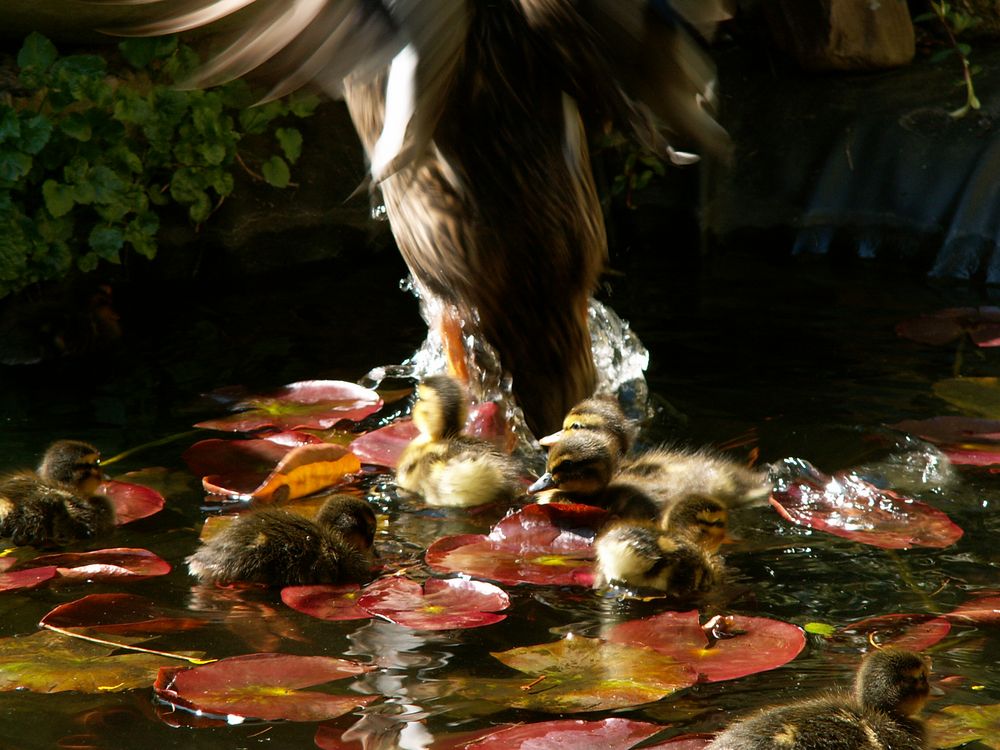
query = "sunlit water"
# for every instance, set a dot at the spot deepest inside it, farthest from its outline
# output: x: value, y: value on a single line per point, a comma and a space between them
x: 793, y: 360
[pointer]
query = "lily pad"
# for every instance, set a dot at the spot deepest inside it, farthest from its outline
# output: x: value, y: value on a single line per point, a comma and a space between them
x: 953, y: 726
x: 326, y: 602
x: 581, y: 674
x: 262, y: 686
x: 950, y: 430
x: 548, y: 544
x: 256, y: 475
x: 984, y: 610
x: 914, y: 632
x: 107, y: 564
x: 310, y: 404
x: 684, y: 742
x: 330, y: 737
x: 131, y: 501
x: 384, y: 446
x: 45, y: 662
x: 607, y: 734
x: 440, y: 604
x: 847, y: 506
x: 941, y: 327
x: 760, y: 643
x: 27, y: 579
x: 118, y: 614
x: 980, y: 396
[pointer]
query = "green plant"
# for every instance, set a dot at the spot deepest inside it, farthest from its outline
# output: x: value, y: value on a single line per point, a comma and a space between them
x: 637, y: 165
x: 91, y: 153
x: 955, y: 21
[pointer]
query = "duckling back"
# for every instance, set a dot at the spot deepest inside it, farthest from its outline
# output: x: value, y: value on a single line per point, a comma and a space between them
x: 460, y: 472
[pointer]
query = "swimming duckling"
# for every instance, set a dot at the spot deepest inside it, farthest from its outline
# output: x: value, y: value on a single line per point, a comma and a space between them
x: 891, y: 687
x: 58, y: 503
x: 446, y: 467
x: 281, y: 548
x: 678, y: 558
x: 597, y: 413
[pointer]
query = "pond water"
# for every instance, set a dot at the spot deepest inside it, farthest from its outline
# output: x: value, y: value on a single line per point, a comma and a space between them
x: 795, y: 359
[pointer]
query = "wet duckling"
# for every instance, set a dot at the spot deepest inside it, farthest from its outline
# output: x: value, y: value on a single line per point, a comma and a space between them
x: 58, y: 503
x: 444, y: 466
x: 891, y: 687
x: 679, y: 558
x: 281, y: 548
x: 599, y: 413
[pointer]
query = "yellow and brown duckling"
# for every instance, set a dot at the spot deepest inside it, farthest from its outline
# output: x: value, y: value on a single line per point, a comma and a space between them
x: 445, y: 467
x: 891, y: 687
x: 58, y: 503
x: 281, y: 548
x: 597, y: 413
x: 679, y: 557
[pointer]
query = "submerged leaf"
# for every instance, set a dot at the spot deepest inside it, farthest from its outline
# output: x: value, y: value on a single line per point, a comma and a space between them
x: 941, y: 327
x: 548, y: 544
x: 949, y: 430
x: 326, y: 602
x: 312, y: 404
x: 980, y: 396
x: 914, y: 632
x: 45, y: 662
x: 262, y: 686
x: 763, y: 644
x: 131, y: 501
x: 607, y: 734
x: 107, y: 564
x: 845, y: 505
x: 118, y: 614
x: 441, y: 604
x: 952, y: 726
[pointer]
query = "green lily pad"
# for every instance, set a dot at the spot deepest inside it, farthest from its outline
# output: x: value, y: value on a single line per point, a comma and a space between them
x: 979, y: 396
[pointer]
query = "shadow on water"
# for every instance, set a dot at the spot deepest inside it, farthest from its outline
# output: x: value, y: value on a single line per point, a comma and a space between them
x: 802, y: 357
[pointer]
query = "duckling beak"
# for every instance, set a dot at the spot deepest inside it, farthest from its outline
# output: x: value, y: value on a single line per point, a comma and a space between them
x: 549, y: 440
x: 544, y: 482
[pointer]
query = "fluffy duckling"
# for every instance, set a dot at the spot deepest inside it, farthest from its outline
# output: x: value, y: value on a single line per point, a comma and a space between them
x: 891, y: 687
x: 599, y: 413
x: 58, y: 503
x: 444, y: 466
x: 281, y: 548
x: 679, y: 559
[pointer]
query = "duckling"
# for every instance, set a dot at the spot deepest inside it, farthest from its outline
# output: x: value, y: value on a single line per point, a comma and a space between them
x: 601, y: 413
x: 679, y: 558
x: 58, y: 503
x: 444, y: 466
x: 891, y: 687
x: 281, y: 548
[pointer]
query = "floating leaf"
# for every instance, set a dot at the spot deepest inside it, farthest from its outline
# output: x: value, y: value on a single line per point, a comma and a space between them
x: 684, y: 742
x: 107, y: 564
x: 118, y: 614
x: 441, y: 604
x: 763, y: 644
x: 27, y: 579
x: 329, y: 737
x: 607, y: 734
x: 326, y: 602
x: 847, y: 506
x: 45, y: 662
x: 914, y: 632
x: 979, y: 396
x: 262, y: 686
x: 949, y: 430
x: 984, y: 610
x: 267, y: 471
x: 544, y: 544
x: 941, y: 327
x: 131, y: 501
x: 952, y: 726
x: 581, y: 674
x: 313, y: 404
x: 384, y: 446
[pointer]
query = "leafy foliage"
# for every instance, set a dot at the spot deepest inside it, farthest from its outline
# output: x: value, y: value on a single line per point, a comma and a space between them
x: 90, y: 154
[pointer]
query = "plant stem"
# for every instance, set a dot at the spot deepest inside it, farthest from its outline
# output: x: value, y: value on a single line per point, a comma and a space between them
x: 113, y: 644
x: 152, y: 444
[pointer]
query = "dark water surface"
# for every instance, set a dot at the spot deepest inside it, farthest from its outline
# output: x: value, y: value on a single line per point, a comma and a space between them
x: 801, y: 356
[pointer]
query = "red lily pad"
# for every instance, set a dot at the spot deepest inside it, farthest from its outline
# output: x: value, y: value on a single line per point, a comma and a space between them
x: 107, y: 564
x: 985, y: 610
x: 849, y: 507
x: 440, y: 604
x: 118, y: 613
x: 329, y: 737
x: 976, y: 455
x: 131, y: 501
x: 311, y: 404
x: 941, y: 327
x: 548, y: 544
x: 949, y: 430
x: 27, y: 579
x: 266, y: 471
x: 326, y: 602
x: 684, y: 742
x: 914, y: 632
x: 759, y: 643
x: 262, y: 686
x: 384, y: 446
x: 607, y: 734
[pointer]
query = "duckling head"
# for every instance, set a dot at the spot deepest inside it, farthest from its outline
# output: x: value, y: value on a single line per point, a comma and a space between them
x: 580, y: 464
x: 599, y: 413
x: 441, y: 408
x: 699, y: 518
x: 353, y: 517
x: 74, y: 464
x: 894, y: 681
